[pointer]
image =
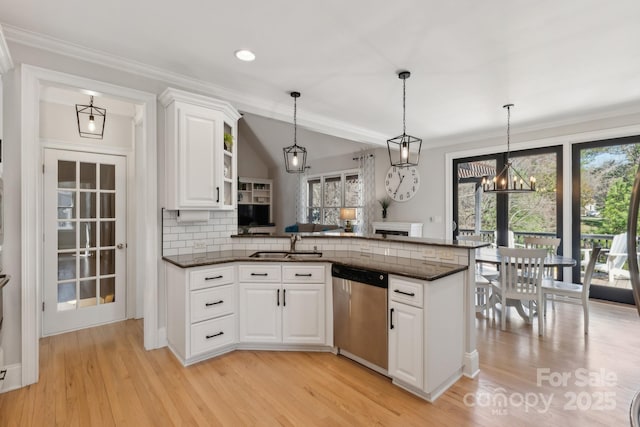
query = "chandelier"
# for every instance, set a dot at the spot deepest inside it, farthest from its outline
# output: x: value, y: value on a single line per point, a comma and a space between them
x: 509, y: 180
x: 91, y: 120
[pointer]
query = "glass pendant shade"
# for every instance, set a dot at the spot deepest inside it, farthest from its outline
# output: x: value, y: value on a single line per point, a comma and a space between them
x: 404, y: 150
x: 91, y: 120
x: 295, y: 156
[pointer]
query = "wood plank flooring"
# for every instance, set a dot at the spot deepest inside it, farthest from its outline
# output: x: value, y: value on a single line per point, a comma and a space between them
x: 103, y: 377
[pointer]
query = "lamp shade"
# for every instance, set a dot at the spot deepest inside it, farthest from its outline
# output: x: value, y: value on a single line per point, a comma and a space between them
x: 348, y: 213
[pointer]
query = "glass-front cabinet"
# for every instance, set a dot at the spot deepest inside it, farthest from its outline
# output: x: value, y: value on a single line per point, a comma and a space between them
x: 200, y: 151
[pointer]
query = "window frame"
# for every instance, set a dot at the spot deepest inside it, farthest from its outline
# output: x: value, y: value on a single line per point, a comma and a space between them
x: 342, y: 174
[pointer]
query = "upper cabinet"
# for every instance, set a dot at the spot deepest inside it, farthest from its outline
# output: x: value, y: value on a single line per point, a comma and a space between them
x: 200, y: 151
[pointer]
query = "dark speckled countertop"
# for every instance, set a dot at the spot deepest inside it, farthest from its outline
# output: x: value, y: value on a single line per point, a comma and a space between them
x: 409, y: 267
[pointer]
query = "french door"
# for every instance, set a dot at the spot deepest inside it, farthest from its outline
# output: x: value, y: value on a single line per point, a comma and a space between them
x: 603, y: 175
x: 84, y: 246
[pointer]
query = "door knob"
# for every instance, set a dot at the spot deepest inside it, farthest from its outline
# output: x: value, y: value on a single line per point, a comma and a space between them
x: 120, y: 245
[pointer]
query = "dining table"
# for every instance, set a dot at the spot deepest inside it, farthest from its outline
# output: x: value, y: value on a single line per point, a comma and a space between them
x: 490, y: 255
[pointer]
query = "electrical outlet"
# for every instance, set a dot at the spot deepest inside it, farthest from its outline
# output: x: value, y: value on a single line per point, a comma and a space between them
x: 200, y: 244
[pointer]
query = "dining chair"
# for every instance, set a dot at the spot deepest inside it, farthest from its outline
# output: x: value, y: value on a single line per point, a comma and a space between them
x: 521, y: 272
x: 483, y: 284
x: 551, y: 244
x: 572, y: 293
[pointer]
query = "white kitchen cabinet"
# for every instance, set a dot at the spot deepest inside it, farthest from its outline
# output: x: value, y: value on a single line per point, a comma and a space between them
x: 200, y: 168
x: 405, y: 343
x: 202, y: 312
x: 426, y: 351
x: 291, y: 311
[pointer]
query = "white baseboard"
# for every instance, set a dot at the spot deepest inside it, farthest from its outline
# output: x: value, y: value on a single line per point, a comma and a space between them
x: 12, y: 379
x: 471, y: 364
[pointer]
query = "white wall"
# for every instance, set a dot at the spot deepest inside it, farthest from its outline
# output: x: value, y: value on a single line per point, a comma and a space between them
x: 58, y: 123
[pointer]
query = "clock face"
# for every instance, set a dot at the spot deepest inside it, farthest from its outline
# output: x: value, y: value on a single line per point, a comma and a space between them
x: 402, y: 183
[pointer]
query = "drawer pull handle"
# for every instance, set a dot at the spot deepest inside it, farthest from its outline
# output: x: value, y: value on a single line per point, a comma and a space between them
x: 213, y: 277
x: 409, y: 294
x: 278, y: 298
x: 209, y: 304
x: 214, y: 335
x: 284, y: 297
x: 260, y: 274
x: 304, y: 274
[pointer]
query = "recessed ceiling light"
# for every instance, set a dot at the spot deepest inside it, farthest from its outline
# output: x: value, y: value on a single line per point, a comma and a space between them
x: 245, y: 55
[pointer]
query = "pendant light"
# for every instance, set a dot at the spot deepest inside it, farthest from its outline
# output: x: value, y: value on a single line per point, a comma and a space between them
x: 295, y: 156
x: 91, y: 120
x: 404, y: 150
x: 509, y: 180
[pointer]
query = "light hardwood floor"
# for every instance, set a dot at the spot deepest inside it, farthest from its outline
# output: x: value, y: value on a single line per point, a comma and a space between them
x: 102, y: 376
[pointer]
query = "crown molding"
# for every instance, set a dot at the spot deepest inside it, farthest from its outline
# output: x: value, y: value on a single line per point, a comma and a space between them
x: 241, y: 101
x: 6, y: 63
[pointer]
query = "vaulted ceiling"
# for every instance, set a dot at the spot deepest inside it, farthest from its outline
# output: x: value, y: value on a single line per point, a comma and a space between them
x: 558, y: 61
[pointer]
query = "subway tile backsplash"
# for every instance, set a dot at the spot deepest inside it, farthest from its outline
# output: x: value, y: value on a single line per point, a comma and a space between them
x: 189, y: 238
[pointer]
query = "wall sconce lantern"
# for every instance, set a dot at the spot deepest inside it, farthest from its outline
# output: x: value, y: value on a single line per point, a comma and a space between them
x: 91, y: 120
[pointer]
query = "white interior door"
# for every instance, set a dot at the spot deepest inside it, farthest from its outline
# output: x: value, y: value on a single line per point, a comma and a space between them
x: 84, y: 244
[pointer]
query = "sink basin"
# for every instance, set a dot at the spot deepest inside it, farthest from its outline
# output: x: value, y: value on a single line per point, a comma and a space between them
x: 269, y: 254
x: 288, y: 255
x: 303, y: 255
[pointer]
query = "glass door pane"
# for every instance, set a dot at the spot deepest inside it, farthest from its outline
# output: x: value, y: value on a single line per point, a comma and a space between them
x: 475, y: 211
x: 606, y: 173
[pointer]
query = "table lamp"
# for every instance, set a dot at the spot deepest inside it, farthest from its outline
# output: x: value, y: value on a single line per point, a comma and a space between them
x: 348, y: 214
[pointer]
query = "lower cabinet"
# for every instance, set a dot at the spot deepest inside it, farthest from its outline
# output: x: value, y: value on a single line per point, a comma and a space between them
x: 291, y: 311
x: 202, y: 311
x: 426, y: 349
x: 405, y: 343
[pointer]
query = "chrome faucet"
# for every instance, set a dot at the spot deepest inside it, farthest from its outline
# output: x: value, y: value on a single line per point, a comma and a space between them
x: 294, y: 239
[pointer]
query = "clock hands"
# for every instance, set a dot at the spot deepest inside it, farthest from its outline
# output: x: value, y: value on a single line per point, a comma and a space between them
x: 399, y: 184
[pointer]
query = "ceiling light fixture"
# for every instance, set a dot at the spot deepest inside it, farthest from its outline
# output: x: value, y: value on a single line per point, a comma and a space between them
x: 91, y: 120
x: 245, y: 55
x: 295, y: 156
x: 509, y: 180
x: 407, y: 153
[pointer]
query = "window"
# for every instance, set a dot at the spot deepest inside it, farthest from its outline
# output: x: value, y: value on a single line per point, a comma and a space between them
x: 330, y: 192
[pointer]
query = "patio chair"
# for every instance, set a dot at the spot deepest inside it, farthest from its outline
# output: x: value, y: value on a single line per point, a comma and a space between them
x: 521, y: 279
x: 616, y: 259
x: 571, y: 293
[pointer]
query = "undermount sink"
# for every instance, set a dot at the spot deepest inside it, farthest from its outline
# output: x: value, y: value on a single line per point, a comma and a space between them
x: 282, y: 255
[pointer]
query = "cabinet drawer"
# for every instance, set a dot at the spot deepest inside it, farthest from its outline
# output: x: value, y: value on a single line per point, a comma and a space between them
x: 212, y: 334
x: 303, y: 273
x: 406, y: 291
x: 267, y: 273
x: 212, y: 302
x: 211, y: 277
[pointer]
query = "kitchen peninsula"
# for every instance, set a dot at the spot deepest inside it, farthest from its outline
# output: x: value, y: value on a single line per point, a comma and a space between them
x: 246, y: 299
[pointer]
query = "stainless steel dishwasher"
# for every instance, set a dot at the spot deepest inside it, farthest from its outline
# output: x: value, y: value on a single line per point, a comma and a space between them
x: 360, y: 315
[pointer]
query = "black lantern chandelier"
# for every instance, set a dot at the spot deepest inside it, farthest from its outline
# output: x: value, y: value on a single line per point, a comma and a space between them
x: 295, y: 156
x: 509, y: 180
x: 91, y: 120
x: 406, y: 148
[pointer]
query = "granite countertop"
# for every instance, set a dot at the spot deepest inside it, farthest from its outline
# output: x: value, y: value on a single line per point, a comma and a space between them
x: 379, y: 237
x: 409, y: 267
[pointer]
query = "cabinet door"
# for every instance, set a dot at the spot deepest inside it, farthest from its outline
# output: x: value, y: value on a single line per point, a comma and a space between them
x: 303, y: 314
x: 260, y: 313
x: 406, y: 344
x: 200, y: 139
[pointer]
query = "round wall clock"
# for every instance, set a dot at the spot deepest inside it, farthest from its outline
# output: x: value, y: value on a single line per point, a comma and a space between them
x: 402, y: 183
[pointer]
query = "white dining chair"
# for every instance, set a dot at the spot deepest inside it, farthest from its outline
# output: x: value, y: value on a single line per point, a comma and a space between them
x: 483, y: 284
x: 551, y: 244
x: 572, y: 293
x: 521, y: 273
